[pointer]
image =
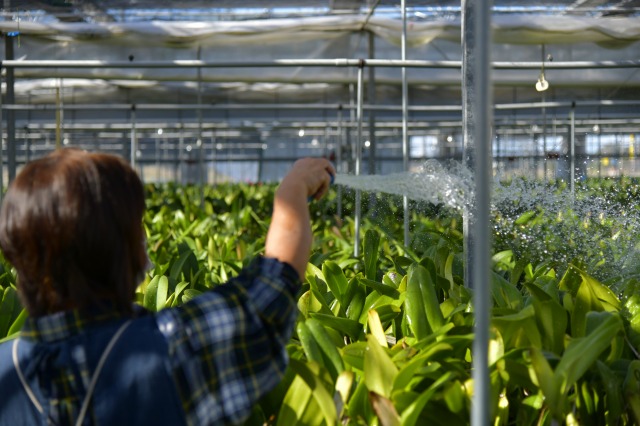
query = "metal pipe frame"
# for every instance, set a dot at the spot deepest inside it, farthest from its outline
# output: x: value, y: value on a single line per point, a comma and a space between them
x: 134, y: 143
x: 572, y: 138
x: 483, y: 112
x: 358, y: 200
x: 405, y: 113
x: 338, y: 62
x: 271, y: 106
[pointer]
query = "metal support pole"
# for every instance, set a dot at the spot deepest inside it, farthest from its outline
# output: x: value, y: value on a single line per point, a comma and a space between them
x: 60, y: 106
x: 181, y: 152
x: 480, y: 414
x: 11, y: 115
x: 338, y: 62
x: 134, y: 139
x: 58, y: 119
x: 214, y: 159
x: 356, y: 250
x: 572, y: 136
x: 371, y: 98
x: 405, y: 113
x: 469, y: 126
x: 544, y: 136
x: 339, y: 168
x: 200, y: 142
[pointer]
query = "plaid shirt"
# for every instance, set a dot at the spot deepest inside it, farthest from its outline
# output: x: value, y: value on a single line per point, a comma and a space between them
x: 226, y: 348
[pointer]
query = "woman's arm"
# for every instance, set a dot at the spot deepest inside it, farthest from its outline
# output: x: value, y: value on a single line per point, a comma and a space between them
x: 289, y: 237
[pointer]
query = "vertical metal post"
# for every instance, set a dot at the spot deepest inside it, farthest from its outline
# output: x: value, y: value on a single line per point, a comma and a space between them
x: 405, y: 113
x: 544, y: 135
x: 11, y: 115
x: 544, y: 125
x: 371, y: 98
x: 134, y: 138
x: 469, y: 126
x: 157, y: 149
x: 180, y: 153
x: 483, y: 104
x: 214, y: 158
x: 200, y: 142
x: 572, y: 137
x: 356, y: 250
x: 58, y: 119
x: 339, y: 169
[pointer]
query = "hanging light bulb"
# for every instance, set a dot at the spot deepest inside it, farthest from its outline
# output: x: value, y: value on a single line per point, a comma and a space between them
x: 542, y: 84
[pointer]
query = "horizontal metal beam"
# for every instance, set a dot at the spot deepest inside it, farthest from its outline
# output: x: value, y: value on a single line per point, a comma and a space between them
x: 283, y: 63
x: 301, y: 106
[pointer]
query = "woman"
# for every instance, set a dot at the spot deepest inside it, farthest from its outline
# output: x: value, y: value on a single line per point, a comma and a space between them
x: 71, y: 224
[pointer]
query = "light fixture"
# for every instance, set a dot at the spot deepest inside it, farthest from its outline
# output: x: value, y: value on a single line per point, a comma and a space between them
x: 367, y: 144
x: 159, y: 131
x: 596, y: 128
x: 301, y: 133
x: 542, y: 84
x: 449, y: 138
x: 314, y: 142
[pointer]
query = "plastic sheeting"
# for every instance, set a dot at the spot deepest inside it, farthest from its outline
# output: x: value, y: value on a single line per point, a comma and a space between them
x: 520, y: 29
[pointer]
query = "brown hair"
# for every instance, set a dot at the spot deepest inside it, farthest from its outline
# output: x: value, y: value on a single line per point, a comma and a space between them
x: 71, y: 224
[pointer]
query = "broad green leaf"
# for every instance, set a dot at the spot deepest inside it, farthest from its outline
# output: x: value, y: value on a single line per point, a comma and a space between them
x: 545, y: 377
x: 387, y: 313
x: 379, y: 369
x: 354, y: 310
x: 336, y: 280
x: 343, y: 325
x: 334, y: 362
x: 505, y: 294
x: 526, y: 217
x: 344, y: 385
x: 520, y: 329
x: 518, y: 271
x: 161, y: 292
x: 551, y: 318
x: 375, y: 328
x: 150, y: 294
x: 186, y: 265
x: 613, y: 390
x: 410, y: 416
x: 319, y: 385
x: 309, y: 345
x: 353, y: 354
x: 632, y: 390
x: 18, y: 322
x: 9, y: 309
x: 178, y: 292
x: 414, y: 308
x: 380, y: 288
x: 189, y: 294
x: 371, y: 246
x: 585, y: 302
x: 608, y: 299
x: 454, y: 396
x: 583, y: 352
x: 308, y: 401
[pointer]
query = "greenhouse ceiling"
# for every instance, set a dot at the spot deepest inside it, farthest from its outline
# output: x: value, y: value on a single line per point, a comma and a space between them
x: 128, y: 10
x: 587, y: 50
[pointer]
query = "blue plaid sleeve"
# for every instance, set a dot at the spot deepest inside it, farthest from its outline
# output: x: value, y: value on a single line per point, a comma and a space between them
x: 227, y: 346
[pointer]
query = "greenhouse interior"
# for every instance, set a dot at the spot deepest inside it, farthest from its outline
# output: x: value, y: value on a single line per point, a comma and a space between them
x: 476, y: 260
